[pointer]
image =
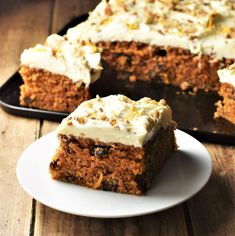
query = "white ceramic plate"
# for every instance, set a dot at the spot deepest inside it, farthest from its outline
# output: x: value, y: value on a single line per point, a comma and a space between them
x: 184, y: 174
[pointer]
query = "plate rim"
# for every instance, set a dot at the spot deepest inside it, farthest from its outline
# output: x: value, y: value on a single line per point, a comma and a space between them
x: 61, y: 209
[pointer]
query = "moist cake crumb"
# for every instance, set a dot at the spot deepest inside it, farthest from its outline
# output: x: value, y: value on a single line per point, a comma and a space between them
x: 121, y: 156
x: 57, y: 75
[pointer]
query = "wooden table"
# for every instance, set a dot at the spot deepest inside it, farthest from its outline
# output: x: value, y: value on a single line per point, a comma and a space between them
x: 24, y: 23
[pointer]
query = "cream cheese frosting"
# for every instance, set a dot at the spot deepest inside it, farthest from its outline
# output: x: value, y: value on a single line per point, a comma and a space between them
x: 116, y: 118
x: 77, y: 61
x: 203, y: 27
x: 227, y: 75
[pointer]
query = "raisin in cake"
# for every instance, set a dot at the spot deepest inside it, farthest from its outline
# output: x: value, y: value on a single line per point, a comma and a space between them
x: 114, y: 144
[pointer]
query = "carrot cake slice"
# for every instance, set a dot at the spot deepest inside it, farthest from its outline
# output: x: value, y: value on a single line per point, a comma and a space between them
x: 226, y: 106
x: 183, y: 43
x: 57, y: 74
x: 114, y: 143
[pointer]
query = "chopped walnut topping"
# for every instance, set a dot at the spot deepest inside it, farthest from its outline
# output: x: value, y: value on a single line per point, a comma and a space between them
x: 53, y: 52
x: 213, y: 18
x: 150, y: 18
x: 106, y: 21
x: 108, y: 10
x: 227, y: 31
x: 233, y: 72
x: 103, y: 117
x: 83, y: 43
x: 89, y: 105
x: 133, y: 26
x: 132, y: 115
x: 160, y: 32
x: 129, y: 130
x: 69, y: 122
x: 126, y: 99
x: 192, y: 37
x: 81, y: 120
x: 113, y: 122
x: 93, y: 116
x: 153, y: 102
x: 121, y: 3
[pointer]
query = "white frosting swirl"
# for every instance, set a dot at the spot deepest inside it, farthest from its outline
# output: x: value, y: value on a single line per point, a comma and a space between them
x: 117, y: 119
x: 205, y: 27
x: 58, y: 55
x: 227, y: 75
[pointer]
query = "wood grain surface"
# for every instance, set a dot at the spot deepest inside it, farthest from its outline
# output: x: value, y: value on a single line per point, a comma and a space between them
x: 24, y: 23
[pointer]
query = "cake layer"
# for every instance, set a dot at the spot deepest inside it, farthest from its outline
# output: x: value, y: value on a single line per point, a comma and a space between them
x: 174, y: 66
x: 202, y: 27
x: 112, y: 166
x: 226, y: 106
x: 77, y: 61
x: 118, y: 119
x: 49, y: 91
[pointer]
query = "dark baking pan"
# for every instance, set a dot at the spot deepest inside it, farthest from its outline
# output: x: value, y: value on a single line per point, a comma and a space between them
x: 193, y: 113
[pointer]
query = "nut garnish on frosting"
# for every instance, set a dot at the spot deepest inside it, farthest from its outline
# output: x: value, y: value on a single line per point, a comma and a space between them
x: 200, y: 26
x: 118, y: 119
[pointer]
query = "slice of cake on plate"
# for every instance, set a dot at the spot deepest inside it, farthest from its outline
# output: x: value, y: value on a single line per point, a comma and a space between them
x: 57, y: 74
x: 226, y: 106
x: 182, y: 42
x: 114, y: 144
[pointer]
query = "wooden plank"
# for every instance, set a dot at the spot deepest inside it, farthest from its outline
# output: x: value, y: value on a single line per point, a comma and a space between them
x: 53, y: 222
x: 22, y: 23
x: 213, y: 209
x: 15, y: 205
x: 65, y: 11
